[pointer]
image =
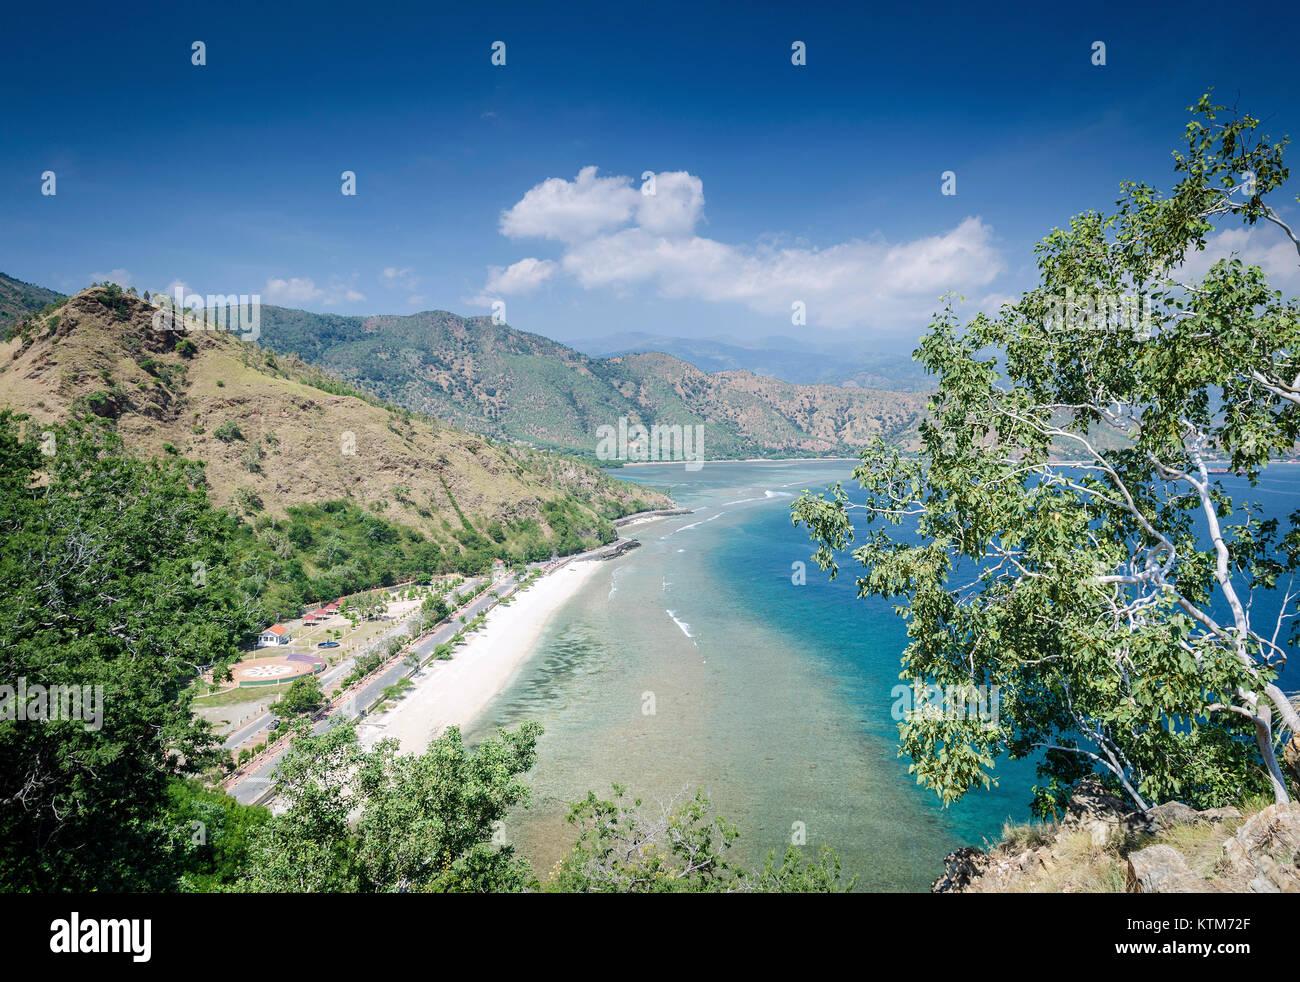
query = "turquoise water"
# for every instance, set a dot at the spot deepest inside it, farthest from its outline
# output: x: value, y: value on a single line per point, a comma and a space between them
x: 774, y: 698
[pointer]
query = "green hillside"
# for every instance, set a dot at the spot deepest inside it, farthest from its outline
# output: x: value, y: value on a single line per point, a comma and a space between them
x: 493, y: 379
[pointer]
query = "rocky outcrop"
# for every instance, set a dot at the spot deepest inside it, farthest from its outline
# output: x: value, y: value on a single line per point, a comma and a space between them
x: 1101, y: 843
x: 617, y: 548
x: 1264, y: 855
x: 1162, y: 869
x: 1103, y: 816
x: 961, y: 869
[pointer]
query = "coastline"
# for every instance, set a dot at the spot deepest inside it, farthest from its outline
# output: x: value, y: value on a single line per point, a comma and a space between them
x: 738, y: 460
x: 454, y: 692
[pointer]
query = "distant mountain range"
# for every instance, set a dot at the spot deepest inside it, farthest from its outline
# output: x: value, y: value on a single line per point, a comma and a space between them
x: 493, y: 379
x: 778, y: 357
x: 497, y: 381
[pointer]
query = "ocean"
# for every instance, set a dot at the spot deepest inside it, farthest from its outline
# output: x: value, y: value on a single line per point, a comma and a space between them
x: 698, y: 661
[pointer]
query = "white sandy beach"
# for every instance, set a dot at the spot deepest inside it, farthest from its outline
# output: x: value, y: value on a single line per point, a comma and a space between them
x: 644, y: 519
x: 454, y: 692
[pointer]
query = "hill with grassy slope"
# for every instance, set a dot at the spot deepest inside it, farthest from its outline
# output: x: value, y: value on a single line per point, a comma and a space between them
x: 304, y: 459
x: 18, y: 299
x: 493, y: 379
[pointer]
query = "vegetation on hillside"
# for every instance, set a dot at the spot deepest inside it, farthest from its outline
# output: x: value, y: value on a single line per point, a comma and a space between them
x: 336, y: 491
x: 114, y: 573
x: 19, y: 300
x: 493, y: 379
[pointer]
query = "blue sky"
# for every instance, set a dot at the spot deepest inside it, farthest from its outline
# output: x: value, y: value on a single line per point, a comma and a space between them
x: 775, y: 183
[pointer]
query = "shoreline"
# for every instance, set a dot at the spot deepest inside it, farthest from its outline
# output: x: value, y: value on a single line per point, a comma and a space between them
x: 735, y: 460
x: 455, y: 692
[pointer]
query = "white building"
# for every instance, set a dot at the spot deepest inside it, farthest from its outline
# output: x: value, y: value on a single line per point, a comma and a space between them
x: 276, y: 634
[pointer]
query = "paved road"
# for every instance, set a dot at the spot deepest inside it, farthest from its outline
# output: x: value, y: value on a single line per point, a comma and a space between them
x: 256, y: 784
x: 261, y: 724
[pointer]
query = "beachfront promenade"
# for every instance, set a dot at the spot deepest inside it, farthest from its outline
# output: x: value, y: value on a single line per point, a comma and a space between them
x: 254, y: 783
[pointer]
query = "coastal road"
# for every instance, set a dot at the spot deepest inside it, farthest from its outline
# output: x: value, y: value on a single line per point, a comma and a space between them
x: 257, y: 783
x: 261, y: 724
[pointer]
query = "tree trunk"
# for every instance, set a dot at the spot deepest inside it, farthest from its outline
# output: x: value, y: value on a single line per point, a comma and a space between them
x: 1264, y: 737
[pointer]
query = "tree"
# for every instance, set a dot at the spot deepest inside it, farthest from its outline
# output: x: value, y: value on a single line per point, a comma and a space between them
x: 368, y: 605
x: 620, y: 849
x: 434, y: 610
x: 422, y: 823
x: 681, y: 847
x: 214, y: 831
x: 302, y: 698
x: 1072, y: 545
x: 114, y: 582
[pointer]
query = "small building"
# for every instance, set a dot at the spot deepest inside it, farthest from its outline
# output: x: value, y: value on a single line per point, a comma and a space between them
x: 274, y: 635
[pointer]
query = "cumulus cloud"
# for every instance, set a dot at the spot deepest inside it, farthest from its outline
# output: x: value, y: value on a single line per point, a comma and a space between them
x: 521, y: 277
x: 674, y: 207
x: 1259, y: 245
x: 571, y: 210
x: 620, y: 238
x: 299, y: 290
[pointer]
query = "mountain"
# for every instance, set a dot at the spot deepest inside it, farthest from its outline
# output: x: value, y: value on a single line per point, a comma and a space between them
x: 494, y: 379
x: 789, y: 359
x: 18, y: 299
x: 275, y: 435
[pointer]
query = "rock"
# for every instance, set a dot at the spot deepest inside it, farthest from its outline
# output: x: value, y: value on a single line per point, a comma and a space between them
x: 961, y: 869
x: 1264, y: 855
x: 1173, y: 813
x: 1217, y: 815
x: 1095, y: 810
x: 1291, y: 755
x: 1092, y: 802
x: 1027, y: 860
x: 1162, y: 869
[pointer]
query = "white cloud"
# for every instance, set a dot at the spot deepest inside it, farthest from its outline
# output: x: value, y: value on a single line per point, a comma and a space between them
x: 675, y: 206
x: 1260, y: 245
x: 119, y: 276
x: 571, y: 210
x: 521, y: 277
x: 619, y: 239
x: 299, y: 290
x: 296, y: 290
